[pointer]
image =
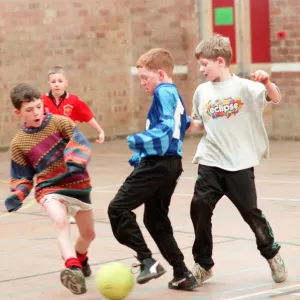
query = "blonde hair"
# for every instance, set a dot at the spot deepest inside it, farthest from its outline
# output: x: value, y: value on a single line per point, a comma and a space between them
x: 157, y: 59
x: 214, y: 47
x: 57, y: 70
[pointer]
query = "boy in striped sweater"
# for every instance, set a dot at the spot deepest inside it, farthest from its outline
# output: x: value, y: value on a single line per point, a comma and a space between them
x: 51, y: 149
x: 59, y: 102
x: 157, y: 160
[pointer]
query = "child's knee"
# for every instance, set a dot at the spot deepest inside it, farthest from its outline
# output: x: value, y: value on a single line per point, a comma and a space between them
x: 148, y: 221
x: 61, y: 222
x: 154, y: 224
x: 113, y: 210
x: 89, y: 235
x: 110, y: 209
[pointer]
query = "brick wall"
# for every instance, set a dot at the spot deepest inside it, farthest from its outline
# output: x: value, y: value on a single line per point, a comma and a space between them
x: 97, y: 42
x: 285, y: 16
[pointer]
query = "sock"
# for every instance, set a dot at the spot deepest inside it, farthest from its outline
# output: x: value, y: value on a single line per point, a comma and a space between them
x: 73, y: 262
x: 82, y: 258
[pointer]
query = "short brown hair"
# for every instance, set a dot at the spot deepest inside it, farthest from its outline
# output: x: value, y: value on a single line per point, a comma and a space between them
x: 56, y: 70
x: 214, y: 47
x: 23, y: 92
x: 157, y: 59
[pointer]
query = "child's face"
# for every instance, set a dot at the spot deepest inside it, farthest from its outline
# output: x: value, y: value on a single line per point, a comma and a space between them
x: 150, y: 79
x: 32, y: 113
x: 211, y: 69
x: 57, y: 83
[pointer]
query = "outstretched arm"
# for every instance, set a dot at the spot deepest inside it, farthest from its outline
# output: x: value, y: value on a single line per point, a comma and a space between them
x: 94, y: 124
x: 21, y: 180
x: 272, y: 90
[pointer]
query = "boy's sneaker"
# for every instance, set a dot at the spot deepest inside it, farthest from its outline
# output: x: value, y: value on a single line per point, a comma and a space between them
x: 187, y: 283
x: 73, y: 279
x: 149, y: 269
x: 201, y: 274
x: 279, y: 272
x: 86, y: 269
x: 72, y: 220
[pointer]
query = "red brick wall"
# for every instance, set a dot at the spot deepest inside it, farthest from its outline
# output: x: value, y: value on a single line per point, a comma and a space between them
x: 285, y: 16
x: 171, y: 25
x: 97, y: 42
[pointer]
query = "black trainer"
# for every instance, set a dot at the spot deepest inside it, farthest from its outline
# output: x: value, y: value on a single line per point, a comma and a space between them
x: 86, y: 269
x: 149, y: 269
x: 187, y: 283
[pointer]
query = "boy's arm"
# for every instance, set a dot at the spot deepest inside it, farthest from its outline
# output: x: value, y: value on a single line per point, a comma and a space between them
x: 21, y: 180
x: 135, y: 160
x: 77, y: 153
x: 273, y: 92
x: 94, y: 124
x: 84, y: 114
x: 188, y: 122
x: 156, y: 141
x: 196, y: 119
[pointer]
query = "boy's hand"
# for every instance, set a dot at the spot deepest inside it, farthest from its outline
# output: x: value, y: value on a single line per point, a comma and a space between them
x: 195, y: 126
x: 192, y: 123
x: 101, y: 137
x: 261, y: 76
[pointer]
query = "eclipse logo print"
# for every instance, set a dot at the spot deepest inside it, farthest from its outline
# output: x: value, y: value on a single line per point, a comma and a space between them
x: 225, y: 107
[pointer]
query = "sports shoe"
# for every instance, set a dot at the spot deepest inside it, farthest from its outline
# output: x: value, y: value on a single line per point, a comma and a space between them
x: 86, y: 269
x: 72, y: 220
x: 201, y: 274
x: 279, y: 272
x: 73, y: 279
x: 149, y: 269
x: 187, y: 283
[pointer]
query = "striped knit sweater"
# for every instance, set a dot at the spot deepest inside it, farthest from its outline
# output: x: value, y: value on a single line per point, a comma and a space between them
x: 57, y: 154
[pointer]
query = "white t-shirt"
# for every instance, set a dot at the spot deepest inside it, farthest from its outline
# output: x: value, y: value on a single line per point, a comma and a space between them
x: 232, y: 115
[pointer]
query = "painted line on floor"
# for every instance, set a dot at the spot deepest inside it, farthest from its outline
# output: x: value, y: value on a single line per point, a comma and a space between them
x: 276, y: 291
x: 191, y: 195
x: 257, y: 180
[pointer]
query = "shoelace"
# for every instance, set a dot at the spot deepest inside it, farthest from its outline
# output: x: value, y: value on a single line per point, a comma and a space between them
x: 277, y: 264
x: 135, y: 266
x: 203, y: 273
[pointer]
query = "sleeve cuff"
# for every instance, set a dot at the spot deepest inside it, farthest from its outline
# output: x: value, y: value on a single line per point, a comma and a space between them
x: 12, y: 204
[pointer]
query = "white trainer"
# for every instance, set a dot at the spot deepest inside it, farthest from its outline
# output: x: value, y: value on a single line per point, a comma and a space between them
x: 201, y: 274
x: 278, y: 269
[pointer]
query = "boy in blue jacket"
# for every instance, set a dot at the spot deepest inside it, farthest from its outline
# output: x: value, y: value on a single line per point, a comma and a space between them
x: 157, y: 162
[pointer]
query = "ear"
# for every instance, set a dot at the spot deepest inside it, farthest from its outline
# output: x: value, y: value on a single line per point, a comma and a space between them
x: 161, y: 75
x: 67, y: 82
x: 221, y: 61
x: 17, y: 112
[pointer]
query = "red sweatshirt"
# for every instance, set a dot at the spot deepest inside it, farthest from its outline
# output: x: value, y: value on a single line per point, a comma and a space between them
x: 69, y: 105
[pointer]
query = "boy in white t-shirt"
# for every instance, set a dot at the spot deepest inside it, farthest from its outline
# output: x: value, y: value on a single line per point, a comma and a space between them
x: 230, y: 110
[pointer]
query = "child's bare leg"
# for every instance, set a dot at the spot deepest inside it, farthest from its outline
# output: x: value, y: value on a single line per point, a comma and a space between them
x: 72, y: 277
x: 57, y: 212
x: 85, y: 223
